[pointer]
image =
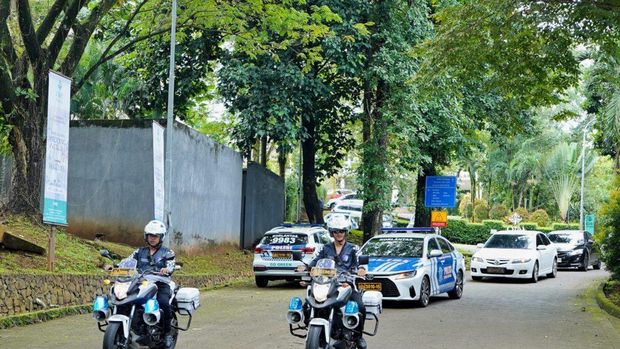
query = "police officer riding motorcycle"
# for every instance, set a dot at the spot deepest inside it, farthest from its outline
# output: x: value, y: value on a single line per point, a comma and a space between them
x: 344, y: 255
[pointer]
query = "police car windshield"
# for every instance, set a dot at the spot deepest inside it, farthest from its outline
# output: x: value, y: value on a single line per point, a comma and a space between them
x: 515, y: 241
x: 394, y: 247
x: 285, y: 239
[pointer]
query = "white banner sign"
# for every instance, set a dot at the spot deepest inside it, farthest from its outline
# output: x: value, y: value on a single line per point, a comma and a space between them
x: 158, y: 171
x: 57, y: 149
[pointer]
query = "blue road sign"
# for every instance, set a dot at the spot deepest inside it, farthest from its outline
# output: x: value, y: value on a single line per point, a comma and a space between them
x: 440, y: 191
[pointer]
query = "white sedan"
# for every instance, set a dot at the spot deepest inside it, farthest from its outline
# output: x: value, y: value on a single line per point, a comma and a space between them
x: 515, y: 254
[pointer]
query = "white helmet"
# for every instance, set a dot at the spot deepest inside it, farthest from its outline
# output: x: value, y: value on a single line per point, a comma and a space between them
x: 338, y: 223
x: 155, y: 227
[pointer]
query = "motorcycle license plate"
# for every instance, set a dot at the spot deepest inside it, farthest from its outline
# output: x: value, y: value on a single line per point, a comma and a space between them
x: 280, y: 254
x: 369, y: 286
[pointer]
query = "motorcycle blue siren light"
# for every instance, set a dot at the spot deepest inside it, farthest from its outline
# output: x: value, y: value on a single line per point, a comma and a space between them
x: 295, y: 304
x: 151, y: 306
x: 100, y: 303
x: 351, y: 308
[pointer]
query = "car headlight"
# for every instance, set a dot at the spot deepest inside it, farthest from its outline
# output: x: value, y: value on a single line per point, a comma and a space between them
x: 477, y: 259
x: 575, y: 252
x: 521, y: 260
x: 407, y: 275
x: 320, y: 292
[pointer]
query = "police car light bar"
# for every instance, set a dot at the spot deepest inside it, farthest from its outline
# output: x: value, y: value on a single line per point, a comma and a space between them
x: 421, y: 229
x: 290, y: 225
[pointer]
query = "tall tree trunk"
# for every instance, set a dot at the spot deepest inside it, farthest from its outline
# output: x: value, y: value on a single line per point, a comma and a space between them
x: 282, y: 162
x: 26, y: 140
x: 422, y: 213
x: 263, y: 151
x: 374, y: 158
x: 617, y: 159
x: 472, y: 176
x: 311, y: 199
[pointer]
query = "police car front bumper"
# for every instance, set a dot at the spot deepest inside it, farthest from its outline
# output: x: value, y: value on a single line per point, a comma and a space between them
x: 397, y: 287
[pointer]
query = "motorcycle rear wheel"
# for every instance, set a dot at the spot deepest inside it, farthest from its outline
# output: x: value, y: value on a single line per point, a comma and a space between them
x: 316, y: 338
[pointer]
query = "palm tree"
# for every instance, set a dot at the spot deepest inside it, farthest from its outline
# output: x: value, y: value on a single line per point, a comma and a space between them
x: 562, y: 173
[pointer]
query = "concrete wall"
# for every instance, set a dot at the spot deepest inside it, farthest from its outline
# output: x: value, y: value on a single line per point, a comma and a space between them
x: 206, y: 191
x: 6, y: 171
x: 110, y: 185
x: 263, y: 203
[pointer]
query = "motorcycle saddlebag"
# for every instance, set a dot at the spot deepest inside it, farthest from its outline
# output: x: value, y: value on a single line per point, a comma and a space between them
x: 373, y: 302
x: 188, y: 300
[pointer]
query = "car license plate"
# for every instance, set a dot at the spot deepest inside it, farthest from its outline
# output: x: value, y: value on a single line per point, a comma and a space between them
x: 559, y: 260
x: 369, y: 286
x: 280, y: 254
x: 495, y: 270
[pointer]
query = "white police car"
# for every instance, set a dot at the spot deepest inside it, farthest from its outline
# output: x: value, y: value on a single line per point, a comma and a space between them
x: 412, y: 264
x: 273, y: 256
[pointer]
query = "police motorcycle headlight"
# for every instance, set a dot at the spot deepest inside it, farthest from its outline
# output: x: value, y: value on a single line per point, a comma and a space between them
x: 121, y: 289
x: 351, y: 319
x: 101, y: 309
x: 295, y: 313
x: 320, y: 291
x: 151, y: 312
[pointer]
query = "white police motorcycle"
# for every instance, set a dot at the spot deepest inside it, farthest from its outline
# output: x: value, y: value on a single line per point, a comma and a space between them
x: 333, y: 315
x: 130, y: 315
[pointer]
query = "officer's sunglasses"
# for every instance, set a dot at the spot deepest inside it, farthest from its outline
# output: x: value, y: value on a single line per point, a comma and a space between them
x: 339, y: 231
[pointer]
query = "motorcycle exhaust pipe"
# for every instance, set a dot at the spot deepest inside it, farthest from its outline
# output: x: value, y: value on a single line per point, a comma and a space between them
x: 151, y: 319
x: 101, y: 315
x: 351, y: 321
x: 295, y: 317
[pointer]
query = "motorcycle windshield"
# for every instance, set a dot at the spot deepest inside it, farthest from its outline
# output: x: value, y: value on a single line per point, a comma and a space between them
x: 324, y: 271
x: 128, y: 263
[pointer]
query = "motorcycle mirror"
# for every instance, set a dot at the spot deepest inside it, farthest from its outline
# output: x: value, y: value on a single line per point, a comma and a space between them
x: 297, y: 256
x: 363, y: 260
x: 105, y: 253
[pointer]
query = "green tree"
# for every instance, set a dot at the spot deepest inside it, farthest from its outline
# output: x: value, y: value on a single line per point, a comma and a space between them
x: 35, y: 39
x: 610, y: 222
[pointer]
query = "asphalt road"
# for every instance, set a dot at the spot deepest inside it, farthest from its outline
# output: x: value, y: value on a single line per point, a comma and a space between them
x: 555, y: 313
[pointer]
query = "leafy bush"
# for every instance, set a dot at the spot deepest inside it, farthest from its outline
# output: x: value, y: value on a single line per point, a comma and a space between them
x: 465, y: 208
x: 565, y: 226
x: 459, y: 231
x: 610, y: 223
x: 529, y: 226
x: 522, y: 211
x: 356, y: 237
x: 481, y: 210
x: 498, y: 212
x: 541, y: 217
x: 494, y: 224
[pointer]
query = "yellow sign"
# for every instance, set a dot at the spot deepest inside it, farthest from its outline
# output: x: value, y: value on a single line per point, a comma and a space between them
x: 439, y: 219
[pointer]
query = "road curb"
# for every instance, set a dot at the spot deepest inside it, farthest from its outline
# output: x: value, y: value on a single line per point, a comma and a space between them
x: 604, y: 303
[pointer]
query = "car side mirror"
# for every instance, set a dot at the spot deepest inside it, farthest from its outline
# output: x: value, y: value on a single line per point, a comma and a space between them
x: 297, y: 256
x: 541, y: 247
x: 363, y: 260
x: 435, y: 253
x: 480, y: 245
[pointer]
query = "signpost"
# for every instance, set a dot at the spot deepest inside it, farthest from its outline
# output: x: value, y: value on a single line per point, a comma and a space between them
x: 589, y: 223
x: 439, y: 219
x: 440, y: 191
x: 56, y: 158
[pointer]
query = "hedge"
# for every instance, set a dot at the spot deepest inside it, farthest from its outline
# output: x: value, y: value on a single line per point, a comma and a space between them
x: 564, y: 226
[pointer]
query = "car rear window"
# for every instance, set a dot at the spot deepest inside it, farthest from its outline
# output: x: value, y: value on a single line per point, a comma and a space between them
x: 285, y: 239
x: 394, y: 247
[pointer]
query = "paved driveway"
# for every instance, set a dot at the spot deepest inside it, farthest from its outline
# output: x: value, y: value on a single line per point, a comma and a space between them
x: 555, y: 313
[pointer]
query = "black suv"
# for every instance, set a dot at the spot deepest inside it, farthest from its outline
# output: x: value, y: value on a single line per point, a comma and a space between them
x: 575, y: 249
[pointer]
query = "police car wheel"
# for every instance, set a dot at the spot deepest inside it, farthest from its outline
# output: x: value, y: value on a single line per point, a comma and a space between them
x: 425, y: 293
x: 261, y: 281
x: 457, y: 292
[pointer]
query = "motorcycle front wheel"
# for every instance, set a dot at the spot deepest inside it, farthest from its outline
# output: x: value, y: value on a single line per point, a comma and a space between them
x: 316, y: 338
x: 114, y: 337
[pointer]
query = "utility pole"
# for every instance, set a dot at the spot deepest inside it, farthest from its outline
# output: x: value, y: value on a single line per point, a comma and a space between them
x: 170, y: 124
x: 583, y: 169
